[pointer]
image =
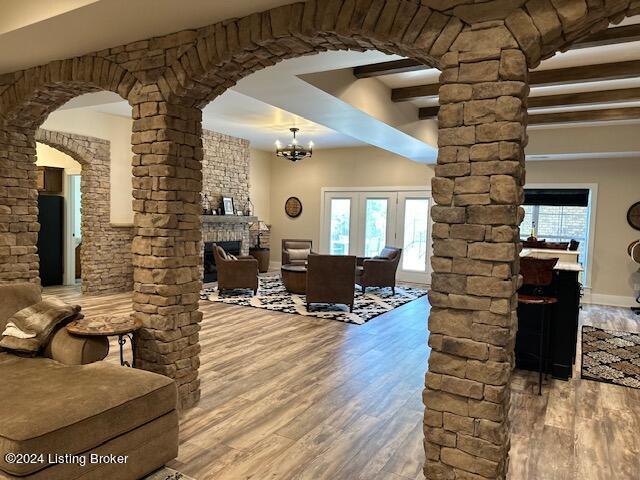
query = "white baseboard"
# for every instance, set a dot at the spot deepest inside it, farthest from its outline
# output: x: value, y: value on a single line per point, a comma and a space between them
x: 610, y: 300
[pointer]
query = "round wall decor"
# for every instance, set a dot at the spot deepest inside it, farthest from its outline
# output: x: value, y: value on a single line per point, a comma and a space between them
x: 633, y: 216
x: 293, y: 207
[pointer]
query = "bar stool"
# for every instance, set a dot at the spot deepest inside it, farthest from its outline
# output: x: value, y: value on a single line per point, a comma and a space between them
x: 537, y: 276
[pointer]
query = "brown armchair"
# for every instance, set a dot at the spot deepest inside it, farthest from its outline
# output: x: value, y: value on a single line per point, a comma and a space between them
x: 331, y: 279
x: 295, y: 252
x: 379, y: 271
x: 235, y: 272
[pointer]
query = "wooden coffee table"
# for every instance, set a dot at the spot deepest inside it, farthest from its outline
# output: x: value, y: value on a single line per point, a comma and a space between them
x: 122, y: 326
x: 294, y: 278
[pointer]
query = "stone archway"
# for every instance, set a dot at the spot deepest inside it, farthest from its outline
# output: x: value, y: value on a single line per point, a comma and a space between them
x: 484, y: 49
x: 26, y: 99
x: 106, y: 249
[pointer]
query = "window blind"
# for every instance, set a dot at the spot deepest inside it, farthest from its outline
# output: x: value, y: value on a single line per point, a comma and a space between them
x: 560, y: 197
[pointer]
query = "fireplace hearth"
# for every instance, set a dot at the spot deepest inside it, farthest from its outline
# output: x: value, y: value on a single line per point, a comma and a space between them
x: 210, y: 272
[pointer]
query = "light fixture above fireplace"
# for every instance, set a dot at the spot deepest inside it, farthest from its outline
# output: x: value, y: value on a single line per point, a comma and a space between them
x: 294, y: 151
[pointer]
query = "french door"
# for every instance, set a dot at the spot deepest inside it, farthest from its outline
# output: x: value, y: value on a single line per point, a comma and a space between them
x: 363, y: 222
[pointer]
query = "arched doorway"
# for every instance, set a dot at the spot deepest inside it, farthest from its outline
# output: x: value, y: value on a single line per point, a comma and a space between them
x: 105, y: 252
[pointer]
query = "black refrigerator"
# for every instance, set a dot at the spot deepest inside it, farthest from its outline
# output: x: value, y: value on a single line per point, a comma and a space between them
x: 51, y: 238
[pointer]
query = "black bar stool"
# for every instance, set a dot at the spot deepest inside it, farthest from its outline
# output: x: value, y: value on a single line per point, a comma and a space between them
x: 537, y: 276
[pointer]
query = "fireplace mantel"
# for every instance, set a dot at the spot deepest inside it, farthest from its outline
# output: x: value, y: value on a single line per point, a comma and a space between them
x: 228, y: 219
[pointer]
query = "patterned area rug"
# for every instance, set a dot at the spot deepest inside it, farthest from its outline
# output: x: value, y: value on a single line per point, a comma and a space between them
x: 273, y: 296
x: 611, y: 357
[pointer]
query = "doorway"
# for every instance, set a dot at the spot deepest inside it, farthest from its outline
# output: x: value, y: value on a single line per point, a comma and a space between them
x: 363, y: 222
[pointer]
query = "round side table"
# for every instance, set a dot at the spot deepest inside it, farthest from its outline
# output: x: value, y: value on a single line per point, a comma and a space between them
x: 122, y: 326
x: 294, y: 278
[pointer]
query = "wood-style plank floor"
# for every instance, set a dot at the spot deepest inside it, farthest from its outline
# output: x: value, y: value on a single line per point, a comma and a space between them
x: 290, y: 397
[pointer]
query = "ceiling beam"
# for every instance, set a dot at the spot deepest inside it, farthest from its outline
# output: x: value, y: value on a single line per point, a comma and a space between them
x: 558, y: 76
x: 388, y: 68
x: 610, y: 36
x: 565, y: 99
x: 630, y: 113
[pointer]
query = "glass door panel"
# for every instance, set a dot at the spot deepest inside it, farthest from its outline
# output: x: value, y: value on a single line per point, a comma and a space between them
x: 414, y: 231
x: 375, y: 234
x: 416, y: 227
x: 339, y: 230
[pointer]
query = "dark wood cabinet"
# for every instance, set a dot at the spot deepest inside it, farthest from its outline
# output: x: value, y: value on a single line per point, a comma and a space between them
x: 563, y: 328
x: 49, y: 179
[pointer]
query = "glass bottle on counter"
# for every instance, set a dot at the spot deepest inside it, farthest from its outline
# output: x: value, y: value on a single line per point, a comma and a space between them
x: 532, y: 237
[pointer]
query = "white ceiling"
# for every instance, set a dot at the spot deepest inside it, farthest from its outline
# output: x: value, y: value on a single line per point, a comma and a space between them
x: 297, y: 92
x: 240, y: 116
x: 263, y: 106
x: 33, y: 32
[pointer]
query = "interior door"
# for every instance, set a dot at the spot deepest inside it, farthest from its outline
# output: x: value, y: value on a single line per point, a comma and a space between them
x: 413, y: 236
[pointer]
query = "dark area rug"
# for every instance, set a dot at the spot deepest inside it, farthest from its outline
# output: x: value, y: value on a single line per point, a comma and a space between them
x: 610, y: 356
x: 273, y: 296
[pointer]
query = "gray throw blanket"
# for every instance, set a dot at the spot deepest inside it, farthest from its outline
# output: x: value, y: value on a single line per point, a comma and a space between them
x: 29, y: 329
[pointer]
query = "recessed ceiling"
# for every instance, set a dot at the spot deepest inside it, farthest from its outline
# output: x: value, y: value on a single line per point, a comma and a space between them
x: 263, y: 106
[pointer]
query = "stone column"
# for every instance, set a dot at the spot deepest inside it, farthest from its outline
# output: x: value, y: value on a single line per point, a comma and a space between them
x: 166, y: 247
x: 18, y: 206
x: 478, y: 190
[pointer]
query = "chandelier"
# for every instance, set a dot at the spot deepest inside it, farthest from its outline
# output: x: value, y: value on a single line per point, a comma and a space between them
x: 294, y: 151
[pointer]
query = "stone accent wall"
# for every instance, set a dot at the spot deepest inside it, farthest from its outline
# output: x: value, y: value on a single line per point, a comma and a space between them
x: 168, y: 79
x: 225, y: 169
x: 106, y: 250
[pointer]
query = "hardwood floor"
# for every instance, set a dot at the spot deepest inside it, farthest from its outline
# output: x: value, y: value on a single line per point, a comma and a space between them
x: 284, y: 397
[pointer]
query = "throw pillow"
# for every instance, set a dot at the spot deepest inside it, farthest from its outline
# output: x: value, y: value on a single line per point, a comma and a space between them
x: 29, y: 329
x: 387, y: 253
x: 299, y: 253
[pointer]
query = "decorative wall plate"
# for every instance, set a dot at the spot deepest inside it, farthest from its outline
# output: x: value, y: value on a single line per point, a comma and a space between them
x: 293, y: 207
x: 633, y: 216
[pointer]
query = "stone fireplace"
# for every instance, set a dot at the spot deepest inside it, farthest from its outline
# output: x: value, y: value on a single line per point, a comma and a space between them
x: 225, y: 172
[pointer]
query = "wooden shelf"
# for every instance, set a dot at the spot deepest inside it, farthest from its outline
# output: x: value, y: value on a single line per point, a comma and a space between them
x: 233, y: 219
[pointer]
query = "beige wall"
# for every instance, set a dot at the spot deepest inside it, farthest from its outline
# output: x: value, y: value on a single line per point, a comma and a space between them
x: 260, y: 183
x: 563, y: 139
x: 347, y: 167
x: 50, y: 157
x: 108, y: 127
x: 618, y: 180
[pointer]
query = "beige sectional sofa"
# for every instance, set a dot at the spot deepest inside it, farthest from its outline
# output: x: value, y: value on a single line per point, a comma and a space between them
x: 72, y: 416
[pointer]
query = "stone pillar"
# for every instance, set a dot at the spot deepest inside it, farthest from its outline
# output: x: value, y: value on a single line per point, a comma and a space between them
x: 478, y: 190
x: 166, y: 247
x: 18, y: 206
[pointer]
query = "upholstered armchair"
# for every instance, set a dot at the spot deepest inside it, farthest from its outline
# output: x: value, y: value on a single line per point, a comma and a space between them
x: 235, y: 272
x: 331, y: 279
x: 379, y: 271
x: 295, y: 252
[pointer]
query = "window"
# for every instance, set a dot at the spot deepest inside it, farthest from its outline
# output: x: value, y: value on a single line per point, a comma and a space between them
x: 558, y: 223
x: 339, y: 229
x: 375, y: 236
